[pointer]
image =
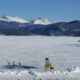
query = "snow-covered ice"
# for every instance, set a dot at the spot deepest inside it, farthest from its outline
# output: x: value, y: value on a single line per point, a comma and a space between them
x: 63, y: 52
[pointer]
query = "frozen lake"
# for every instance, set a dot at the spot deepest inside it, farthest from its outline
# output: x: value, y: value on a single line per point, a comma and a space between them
x: 62, y: 51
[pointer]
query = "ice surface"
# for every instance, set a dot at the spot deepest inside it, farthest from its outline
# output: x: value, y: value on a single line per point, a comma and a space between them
x: 64, y: 54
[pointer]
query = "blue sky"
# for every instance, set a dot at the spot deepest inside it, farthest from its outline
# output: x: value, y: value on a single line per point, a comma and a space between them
x: 57, y: 10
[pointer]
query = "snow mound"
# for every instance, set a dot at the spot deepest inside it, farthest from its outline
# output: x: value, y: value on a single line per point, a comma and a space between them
x: 13, y: 19
x: 39, y: 75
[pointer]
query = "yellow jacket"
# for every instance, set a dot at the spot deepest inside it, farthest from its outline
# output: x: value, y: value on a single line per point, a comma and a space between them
x: 48, y: 66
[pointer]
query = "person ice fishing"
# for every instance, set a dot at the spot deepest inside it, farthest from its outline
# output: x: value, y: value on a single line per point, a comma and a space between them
x: 48, y: 65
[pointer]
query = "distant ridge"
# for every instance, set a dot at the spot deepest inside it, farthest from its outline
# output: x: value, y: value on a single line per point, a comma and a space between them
x: 14, y: 25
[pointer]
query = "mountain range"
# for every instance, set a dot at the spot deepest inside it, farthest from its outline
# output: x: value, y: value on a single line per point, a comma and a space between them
x: 13, y: 25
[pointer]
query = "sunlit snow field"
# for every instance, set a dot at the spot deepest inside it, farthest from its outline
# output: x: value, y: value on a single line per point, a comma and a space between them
x: 63, y: 52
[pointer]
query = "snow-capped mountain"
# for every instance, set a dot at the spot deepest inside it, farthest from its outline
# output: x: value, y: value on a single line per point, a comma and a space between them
x: 43, y: 21
x: 13, y: 19
x: 40, y: 20
x: 13, y: 25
